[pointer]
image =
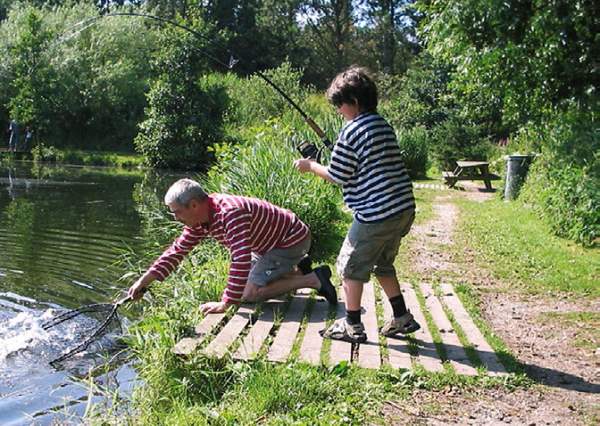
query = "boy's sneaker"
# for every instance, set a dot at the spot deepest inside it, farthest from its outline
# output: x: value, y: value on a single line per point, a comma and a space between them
x: 405, y: 324
x: 341, y: 330
x: 327, y: 289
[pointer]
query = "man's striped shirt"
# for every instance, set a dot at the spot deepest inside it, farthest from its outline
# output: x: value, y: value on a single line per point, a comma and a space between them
x: 242, y: 224
x: 367, y: 162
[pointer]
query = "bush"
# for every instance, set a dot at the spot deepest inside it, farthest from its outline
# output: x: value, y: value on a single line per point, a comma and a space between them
x: 414, y: 145
x: 564, y: 183
x: 455, y: 140
x: 264, y: 169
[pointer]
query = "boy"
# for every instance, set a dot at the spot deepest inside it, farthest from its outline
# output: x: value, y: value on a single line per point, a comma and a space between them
x: 366, y: 162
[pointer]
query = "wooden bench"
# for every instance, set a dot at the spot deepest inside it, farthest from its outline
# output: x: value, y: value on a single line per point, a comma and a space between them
x: 470, y: 170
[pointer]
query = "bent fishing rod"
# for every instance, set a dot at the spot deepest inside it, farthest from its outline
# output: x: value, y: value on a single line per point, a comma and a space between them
x: 307, y: 149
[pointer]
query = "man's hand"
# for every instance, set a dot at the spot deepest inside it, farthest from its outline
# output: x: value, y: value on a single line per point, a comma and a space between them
x: 136, y: 291
x: 213, y: 307
x: 304, y: 165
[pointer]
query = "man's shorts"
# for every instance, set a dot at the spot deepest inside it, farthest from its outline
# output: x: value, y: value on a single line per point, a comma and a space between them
x: 373, y: 247
x: 277, y: 262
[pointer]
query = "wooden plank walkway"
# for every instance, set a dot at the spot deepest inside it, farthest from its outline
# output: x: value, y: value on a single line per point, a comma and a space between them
x: 276, y: 327
x: 436, y: 186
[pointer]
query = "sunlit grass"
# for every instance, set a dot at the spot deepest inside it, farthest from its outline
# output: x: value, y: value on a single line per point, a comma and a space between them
x: 518, y: 247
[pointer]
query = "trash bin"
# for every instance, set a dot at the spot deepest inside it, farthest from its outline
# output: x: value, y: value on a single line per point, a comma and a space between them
x: 517, y: 167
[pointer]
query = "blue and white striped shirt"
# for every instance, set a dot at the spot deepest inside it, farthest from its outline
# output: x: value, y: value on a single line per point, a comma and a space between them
x: 366, y: 161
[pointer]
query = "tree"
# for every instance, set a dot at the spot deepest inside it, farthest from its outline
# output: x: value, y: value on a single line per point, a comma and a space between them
x: 521, y: 58
x: 34, y: 79
x: 329, y: 32
x: 185, y: 109
x: 393, y: 24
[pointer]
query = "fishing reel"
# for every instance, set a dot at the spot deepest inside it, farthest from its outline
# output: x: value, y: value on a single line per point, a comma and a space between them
x: 309, y: 151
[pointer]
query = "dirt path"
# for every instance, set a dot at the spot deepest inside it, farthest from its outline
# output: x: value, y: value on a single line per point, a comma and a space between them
x: 567, y: 389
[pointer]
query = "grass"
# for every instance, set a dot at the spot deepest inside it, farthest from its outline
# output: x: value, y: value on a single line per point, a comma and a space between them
x: 510, y: 240
x: 50, y: 154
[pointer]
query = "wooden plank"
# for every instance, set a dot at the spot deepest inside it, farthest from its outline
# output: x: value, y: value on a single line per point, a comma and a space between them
x: 218, y: 347
x: 189, y: 344
x: 428, y: 355
x: 454, y: 349
x: 368, y: 352
x: 259, y: 331
x: 340, y: 351
x: 310, y: 351
x: 484, y: 351
x: 286, y: 335
x: 398, y: 353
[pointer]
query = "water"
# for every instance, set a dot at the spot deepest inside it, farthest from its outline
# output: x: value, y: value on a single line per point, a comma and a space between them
x: 62, y: 229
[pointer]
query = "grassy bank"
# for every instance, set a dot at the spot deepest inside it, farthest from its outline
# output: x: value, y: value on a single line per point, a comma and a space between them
x: 513, y: 243
x: 50, y: 154
x: 200, y: 390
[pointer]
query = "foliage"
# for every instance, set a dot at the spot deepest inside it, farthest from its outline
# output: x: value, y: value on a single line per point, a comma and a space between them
x: 185, y: 109
x: 418, y: 98
x: 564, y: 182
x: 254, y: 100
x: 34, y: 80
x: 454, y: 140
x: 515, y: 60
x: 263, y: 168
x: 42, y: 153
x: 415, y: 146
x: 87, y: 89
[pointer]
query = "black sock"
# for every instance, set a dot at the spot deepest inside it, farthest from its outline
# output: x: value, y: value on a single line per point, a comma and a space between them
x: 353, y: 317
x: 398, y: 305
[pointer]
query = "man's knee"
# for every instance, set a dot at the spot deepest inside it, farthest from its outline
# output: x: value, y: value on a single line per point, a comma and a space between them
x: 253, y: 293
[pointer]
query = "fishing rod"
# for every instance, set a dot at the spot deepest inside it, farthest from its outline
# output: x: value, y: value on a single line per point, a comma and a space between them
x: 307, y: 149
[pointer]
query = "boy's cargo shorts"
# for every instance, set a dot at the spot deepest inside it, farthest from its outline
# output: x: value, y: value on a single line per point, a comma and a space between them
x: 373, y: 247
x: 277, y: 262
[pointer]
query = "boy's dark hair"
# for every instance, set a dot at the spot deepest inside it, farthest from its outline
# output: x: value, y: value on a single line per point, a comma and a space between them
x: 354, y: 85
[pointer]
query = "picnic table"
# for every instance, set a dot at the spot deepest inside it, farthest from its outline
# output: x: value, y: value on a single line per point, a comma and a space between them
x: 470, y: 170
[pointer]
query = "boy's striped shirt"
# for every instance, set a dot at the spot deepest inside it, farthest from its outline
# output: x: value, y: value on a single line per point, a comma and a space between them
x: 242, y: 224
x: 367, y: 162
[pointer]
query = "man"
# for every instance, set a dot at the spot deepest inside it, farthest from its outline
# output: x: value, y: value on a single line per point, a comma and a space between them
x: 13, y: 140
x: 252, y: 229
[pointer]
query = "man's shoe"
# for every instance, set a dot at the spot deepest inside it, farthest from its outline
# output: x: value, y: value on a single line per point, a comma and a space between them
x: 405, y: 324
x: 341, y: 330
x: 327, y: 289
x: 305, y: 265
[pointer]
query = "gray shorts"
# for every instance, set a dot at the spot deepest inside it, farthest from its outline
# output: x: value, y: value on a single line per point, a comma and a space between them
x: 277, y: 262
x: 373, y: 247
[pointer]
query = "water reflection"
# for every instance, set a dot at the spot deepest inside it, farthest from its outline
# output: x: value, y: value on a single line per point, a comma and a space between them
x: 62, y: 231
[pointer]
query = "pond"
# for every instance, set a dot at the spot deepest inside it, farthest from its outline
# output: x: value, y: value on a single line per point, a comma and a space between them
x: 62, y: 233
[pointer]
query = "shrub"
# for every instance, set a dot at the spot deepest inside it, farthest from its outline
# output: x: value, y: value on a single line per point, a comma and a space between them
x: 455, y: 140
x: 564, y: 183
x: 254, y: 100
x: 263, y: 168
x: 414, y: 145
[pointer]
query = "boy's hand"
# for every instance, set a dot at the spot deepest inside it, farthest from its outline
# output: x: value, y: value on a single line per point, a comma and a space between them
x: 304, y: 165
x: 213, y: 307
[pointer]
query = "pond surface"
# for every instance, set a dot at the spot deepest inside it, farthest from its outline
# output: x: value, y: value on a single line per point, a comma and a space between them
x: 62, y: 233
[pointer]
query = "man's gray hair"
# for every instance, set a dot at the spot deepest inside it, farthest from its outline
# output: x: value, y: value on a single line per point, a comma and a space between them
x: 183, y: 191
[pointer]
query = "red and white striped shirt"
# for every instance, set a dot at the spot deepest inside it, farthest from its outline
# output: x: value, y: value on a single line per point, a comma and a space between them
x: 243, y: 225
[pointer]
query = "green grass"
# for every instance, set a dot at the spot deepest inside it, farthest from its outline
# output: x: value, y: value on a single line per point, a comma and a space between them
x: 511, y: 241
x: 50, y: 154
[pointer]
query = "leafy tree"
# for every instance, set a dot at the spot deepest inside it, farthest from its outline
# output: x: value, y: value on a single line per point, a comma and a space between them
x: 516, y: 59
x: 185, y: 110
x: 34, y: 80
